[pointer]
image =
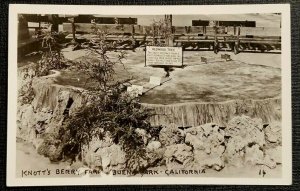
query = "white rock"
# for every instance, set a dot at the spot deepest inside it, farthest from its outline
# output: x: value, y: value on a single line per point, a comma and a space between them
x: 171, y: 135
x: 273, y: 133
x: 269, y: 162
x: 178, y: 156
x: 275, y: 154
x: 153, y: 145
x: 253, y: 155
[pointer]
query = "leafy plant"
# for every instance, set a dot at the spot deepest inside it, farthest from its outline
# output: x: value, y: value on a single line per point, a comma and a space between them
x: 161, y: 31
x: 111, y: 110
x: 52, y: 57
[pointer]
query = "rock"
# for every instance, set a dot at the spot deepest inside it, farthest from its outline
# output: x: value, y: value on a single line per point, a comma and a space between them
x: 269, y: 162
x: 171, y: 135
x: 137, y: 164
x: 54, y: 153
x: 242, y: 132
x: 32, y: 124
x: 143, y: 133
x: 208, y: 143
x: 275, y: 154
x: 216, y: 163
x: 273, y: 133
x: 178, y: 156
x: 155, y: 153
x: 112, y: 157
x: 96, y: 144
x: 153, y: 145
x: 25, y: 77
x: 155, y: 156
x: 92, y: 159
x: 202, y: 160
x: 26, y: 123
x: 244, y: 126
x: 45, y: 115
x: 235, y: 152
x: 253, y: 155
x: 103, y: 153
x: 205, y: 137
x: 207, y: 129
x: 25, y: 113
x: 51, y: 148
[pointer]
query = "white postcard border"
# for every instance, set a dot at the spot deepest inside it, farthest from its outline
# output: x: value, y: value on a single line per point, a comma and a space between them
x: 15, y: 9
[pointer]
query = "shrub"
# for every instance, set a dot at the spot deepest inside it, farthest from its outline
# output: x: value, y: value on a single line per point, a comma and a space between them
x: 111, y: 110
x: 160, y: 30
x: 52, y: 57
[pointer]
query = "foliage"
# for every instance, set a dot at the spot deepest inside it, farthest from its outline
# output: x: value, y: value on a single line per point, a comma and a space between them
x: 101, y: 69
x: 111, y: 110
x: 52, y: 57
x: 161, y: 32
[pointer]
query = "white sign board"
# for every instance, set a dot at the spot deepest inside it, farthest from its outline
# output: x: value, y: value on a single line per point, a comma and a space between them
x: 135, y: 90
x: 163, y: 56
x: 154, y: 80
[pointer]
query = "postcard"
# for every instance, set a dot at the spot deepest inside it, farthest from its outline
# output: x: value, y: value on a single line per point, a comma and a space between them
x: 105, y: 95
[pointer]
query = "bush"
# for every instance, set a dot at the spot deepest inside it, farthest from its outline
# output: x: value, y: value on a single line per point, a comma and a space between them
x: 52, y: 57
x: 160, y: 29
x: 111, y: 110
x: 116, y: 113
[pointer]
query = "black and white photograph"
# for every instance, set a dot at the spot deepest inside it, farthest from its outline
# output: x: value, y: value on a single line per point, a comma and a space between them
x: 122, y: 97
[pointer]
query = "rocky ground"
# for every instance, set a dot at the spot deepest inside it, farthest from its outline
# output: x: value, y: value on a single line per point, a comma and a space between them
x: 245, y: 148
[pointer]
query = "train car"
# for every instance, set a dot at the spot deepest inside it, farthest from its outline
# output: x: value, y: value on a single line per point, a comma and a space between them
x: 200, y: 23
x: 237, y: 23
x: 115, y: 20
x: 83, y: 18
x: 224, y: 23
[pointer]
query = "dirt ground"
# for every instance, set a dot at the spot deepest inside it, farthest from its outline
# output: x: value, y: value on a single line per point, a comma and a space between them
x: 247, y: 76
x: 28, y: 159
